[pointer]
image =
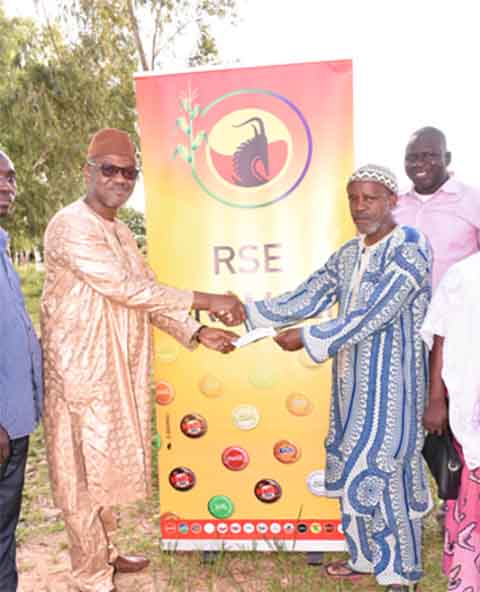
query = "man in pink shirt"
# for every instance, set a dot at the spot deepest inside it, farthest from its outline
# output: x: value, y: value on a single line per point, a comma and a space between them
x: 448, y: 213
x: 446, y: 210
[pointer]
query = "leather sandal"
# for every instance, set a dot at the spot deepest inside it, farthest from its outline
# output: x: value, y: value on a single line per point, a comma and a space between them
x: 341, y: 570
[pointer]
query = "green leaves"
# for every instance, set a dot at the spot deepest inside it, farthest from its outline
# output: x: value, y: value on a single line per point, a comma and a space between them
x: 194, y: 113
x: 199, y: 138
x: 180, y: 150
x: 63, y: 80
x: 136, y: 223
x: 191, y: 111
x: 183, y: 125
x: 54, y: 94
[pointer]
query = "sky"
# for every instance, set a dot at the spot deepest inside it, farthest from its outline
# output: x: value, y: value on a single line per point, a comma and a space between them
x: 415, y: 64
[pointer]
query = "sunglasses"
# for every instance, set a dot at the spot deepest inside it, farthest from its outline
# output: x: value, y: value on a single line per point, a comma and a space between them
x: 111, y: 170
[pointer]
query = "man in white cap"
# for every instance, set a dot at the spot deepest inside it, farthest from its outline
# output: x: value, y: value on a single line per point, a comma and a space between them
x: 98, y: 304
x: 381, y: 283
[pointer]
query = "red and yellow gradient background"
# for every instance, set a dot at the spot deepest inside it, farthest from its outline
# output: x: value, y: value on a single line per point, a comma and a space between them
x: 184, y: 224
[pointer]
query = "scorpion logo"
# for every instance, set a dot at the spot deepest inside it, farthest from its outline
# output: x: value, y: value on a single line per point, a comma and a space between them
x: 250, y: 154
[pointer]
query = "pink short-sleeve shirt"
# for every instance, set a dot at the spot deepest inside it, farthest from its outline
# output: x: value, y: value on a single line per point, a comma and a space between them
x: 450, y: 219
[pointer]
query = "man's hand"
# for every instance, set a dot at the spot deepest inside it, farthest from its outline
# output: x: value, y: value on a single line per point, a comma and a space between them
x: 217, y: 339
x: 435, y: 418
x: 227, y: 308
x: 289, y: 340
x: 4, y: 445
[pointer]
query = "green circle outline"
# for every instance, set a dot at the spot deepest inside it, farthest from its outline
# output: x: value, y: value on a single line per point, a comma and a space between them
x: 248, y: 91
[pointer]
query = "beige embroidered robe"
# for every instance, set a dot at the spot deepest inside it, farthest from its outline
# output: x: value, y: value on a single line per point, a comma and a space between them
x: 98, y: 301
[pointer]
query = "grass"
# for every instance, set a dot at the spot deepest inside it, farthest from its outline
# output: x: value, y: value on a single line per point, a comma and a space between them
x: 32, y: 284
x: 181, y: 571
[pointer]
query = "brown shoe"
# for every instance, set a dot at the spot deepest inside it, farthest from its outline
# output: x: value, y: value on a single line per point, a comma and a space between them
x: 130, y: 563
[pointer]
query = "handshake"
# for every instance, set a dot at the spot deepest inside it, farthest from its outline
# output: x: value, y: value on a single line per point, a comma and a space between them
x: 229, y: 310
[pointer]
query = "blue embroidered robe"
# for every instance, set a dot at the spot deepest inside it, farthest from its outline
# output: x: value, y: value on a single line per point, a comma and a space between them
x: 375, y: 436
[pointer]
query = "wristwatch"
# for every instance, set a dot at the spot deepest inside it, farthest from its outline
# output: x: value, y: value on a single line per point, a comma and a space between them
x: 196, y: 335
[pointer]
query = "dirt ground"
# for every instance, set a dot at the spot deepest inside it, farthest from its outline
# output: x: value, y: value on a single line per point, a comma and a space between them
x: 45, y: 568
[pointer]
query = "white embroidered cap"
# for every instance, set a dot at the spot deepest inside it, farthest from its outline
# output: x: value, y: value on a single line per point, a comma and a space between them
x: 377, y: 174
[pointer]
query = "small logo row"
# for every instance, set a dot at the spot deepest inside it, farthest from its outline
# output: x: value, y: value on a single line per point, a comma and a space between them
x: 170, y: 527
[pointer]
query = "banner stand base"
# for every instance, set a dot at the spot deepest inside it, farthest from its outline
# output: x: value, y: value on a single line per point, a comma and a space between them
x: 209, y: 556
x: 210, y: 548
x: 315, y: 557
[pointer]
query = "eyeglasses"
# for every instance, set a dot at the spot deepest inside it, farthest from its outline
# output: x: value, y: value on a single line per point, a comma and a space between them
x: 111, y: 170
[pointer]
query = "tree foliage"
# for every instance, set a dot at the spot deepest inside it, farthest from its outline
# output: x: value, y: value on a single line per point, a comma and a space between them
x: 156, y: 25
x: 64, y: 79
x: 135, y: 221
x: 54, y: 95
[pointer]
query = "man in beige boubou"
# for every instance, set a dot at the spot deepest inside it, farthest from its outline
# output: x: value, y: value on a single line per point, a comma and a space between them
x: 99, y: 301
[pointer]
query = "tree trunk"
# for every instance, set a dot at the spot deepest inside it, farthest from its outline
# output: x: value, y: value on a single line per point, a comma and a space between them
x: 136, y: 35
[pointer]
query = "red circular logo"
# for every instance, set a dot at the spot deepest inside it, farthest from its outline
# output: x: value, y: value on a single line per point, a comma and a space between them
x: 182, y: 479
x: 268, y: 491
x: 193, y: 425
x: 235, y: 458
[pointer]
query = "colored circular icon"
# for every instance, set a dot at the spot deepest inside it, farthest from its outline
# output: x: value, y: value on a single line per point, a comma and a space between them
x: 196, y: 528
x: 169, y: 517
x: 263, y: 377
x: 182, y: 479
x: 246, y: 417
x: 316, y: 482
x: 220, y: 506
x: 193, y: 425
x: 164, y: 393
x: 268, y: 491
x: 209, y: 528
x: 302, y: 528
x: 166, y: 352
x: 266, y: 146
x: 329, y: 528
x: 286, y: 452
x: 261, y: 527
x: 299, y: 404
x: 235, y: 458
x: 210, y: 386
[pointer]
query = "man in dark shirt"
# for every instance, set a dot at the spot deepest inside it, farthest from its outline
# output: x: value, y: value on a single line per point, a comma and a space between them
x: 20, y: 388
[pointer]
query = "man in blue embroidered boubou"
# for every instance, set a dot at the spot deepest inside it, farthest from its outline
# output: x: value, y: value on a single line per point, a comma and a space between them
x: 381, y: 283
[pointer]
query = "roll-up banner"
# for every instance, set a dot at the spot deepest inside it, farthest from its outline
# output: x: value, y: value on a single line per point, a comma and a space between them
x: 245, y: 172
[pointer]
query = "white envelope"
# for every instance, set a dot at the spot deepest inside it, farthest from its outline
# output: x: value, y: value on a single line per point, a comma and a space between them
x: 254, y: 335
